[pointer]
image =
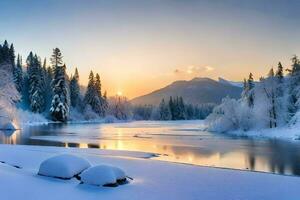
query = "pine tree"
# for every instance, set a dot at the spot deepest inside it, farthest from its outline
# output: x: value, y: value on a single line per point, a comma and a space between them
x: 5, y: 53
x: 74, y: 89
x: 190, y: 111
x: 99, y: 107
x: 164, y: 111
x: 293, y: 87
x: 36, y: 98
x: 90, y: 92
x: 295, y: 66
x: 18, y: 74
x: 269, y: 86
x: 59, y: 110
x: 172, y: 108
x: 181, y: 109
x: 7, y: 57
x: 279, y: 72
x: 12, y: 56
x: 105, y: 102
x: 56, y: 58
x: 250, y: 94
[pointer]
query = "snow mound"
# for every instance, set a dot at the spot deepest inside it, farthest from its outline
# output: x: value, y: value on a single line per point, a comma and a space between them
x: 63, y: 166
x: 119, y: 173
x: 103, y: 175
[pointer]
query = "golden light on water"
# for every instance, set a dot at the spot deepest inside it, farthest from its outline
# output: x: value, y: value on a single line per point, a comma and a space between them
x: 83, y: 145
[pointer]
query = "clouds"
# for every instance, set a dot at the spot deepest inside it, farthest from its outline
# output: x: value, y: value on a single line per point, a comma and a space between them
x: 194, y: 70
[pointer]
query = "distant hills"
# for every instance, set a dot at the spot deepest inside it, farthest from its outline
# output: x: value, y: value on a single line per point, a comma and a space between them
x: 195, y: 91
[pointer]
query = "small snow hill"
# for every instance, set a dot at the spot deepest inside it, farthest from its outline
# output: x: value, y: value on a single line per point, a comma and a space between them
x: 195, y: 91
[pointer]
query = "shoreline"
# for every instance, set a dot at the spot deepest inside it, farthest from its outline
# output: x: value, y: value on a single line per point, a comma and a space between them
x: 149, y: 175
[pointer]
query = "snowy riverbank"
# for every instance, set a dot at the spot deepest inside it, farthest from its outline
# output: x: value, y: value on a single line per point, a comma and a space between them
x: 151, y: 179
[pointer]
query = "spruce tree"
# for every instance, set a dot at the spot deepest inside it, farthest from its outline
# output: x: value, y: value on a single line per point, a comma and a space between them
x: 90, y: 92
x: 74, y: 89
x: 36, y: 98
x: 293, y: 87
x: 172, y: 108
x: 181, y: 109
x: 105, y: 102
x: 18, y: 74
x: 59, y: 110
x: 99, y: 107
x: 5, y: 53
x: 12, y: 56
x: 164, y: 111
x: 250, y: 94
x: 56, y: 58
x: 279, y: 72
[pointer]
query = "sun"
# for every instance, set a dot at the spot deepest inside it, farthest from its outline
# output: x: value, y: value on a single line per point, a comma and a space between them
x: 119, y: 93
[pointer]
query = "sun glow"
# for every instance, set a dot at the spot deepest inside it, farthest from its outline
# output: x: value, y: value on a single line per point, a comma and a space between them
x: 119, y: 93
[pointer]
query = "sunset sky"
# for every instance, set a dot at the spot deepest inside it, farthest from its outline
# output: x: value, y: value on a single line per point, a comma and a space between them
x: 142, y: 45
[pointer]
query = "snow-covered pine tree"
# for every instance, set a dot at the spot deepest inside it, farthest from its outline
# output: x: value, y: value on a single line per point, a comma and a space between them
x: 181, y: 109
x: 172, y: 108
x: 105, y: 102
x: 250, y: 93
x: 164, y: 111
x: 18, y: 74
x: 119, y: 107
x: 59, y: 110
x: 5, y: 53
x: 7, y: 57
x: 100, y: 106
x: 74, y: 89
x: 47, y: 80
x: 279, y: 72
x: 36, y: 98
x: 90, y: 94
x: 269, y: 86
x: 294, y: 87
x: 11, y: 54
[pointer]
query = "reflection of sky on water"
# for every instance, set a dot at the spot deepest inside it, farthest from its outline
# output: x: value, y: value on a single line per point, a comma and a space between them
x: 176, y: 142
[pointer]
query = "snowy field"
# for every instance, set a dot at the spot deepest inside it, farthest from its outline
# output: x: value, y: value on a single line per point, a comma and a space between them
x: 152, y: 179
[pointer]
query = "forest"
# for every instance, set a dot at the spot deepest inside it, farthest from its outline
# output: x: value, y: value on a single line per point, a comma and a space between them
x: 271, y: 102
x: 45, y: 89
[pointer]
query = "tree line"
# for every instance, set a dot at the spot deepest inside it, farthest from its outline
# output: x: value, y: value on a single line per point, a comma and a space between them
x: 270, y: 102
x: 173, y: 109
x: 48, y: 89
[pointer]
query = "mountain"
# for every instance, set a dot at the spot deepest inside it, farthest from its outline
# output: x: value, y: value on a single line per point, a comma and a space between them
x: 195, y: 91
x: 234, y: 83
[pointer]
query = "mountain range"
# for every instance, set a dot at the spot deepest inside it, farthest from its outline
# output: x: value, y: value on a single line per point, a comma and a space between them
x: 195, y: 91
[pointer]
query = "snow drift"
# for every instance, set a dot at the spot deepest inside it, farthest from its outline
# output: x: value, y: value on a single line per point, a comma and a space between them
x: 103, y: 175
x: 63, y: 166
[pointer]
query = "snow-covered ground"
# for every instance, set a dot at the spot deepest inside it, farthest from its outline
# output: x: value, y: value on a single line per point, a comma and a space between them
x: 285, y: 133
x: 152, y: 179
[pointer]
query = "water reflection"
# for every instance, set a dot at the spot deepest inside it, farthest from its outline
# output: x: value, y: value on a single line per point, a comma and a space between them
x: 9, y: 136
x: 176, y: 142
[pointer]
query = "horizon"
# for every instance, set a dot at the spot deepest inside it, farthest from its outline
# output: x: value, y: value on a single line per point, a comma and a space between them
x: 138, y: 47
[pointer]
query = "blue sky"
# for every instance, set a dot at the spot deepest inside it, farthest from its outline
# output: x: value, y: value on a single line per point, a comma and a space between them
x: 138, y: 46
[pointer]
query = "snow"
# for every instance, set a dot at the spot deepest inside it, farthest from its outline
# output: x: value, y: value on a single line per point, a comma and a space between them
x: 119, y: 173
x: 152, y: 179
x: 63, y: 166
x: 101, y: 175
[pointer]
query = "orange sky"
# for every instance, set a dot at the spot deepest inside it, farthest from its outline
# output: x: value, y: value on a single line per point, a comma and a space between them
x: 140, y: 46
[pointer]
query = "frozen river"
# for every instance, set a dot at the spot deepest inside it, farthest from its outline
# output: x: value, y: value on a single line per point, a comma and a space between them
x: 174, y: 141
